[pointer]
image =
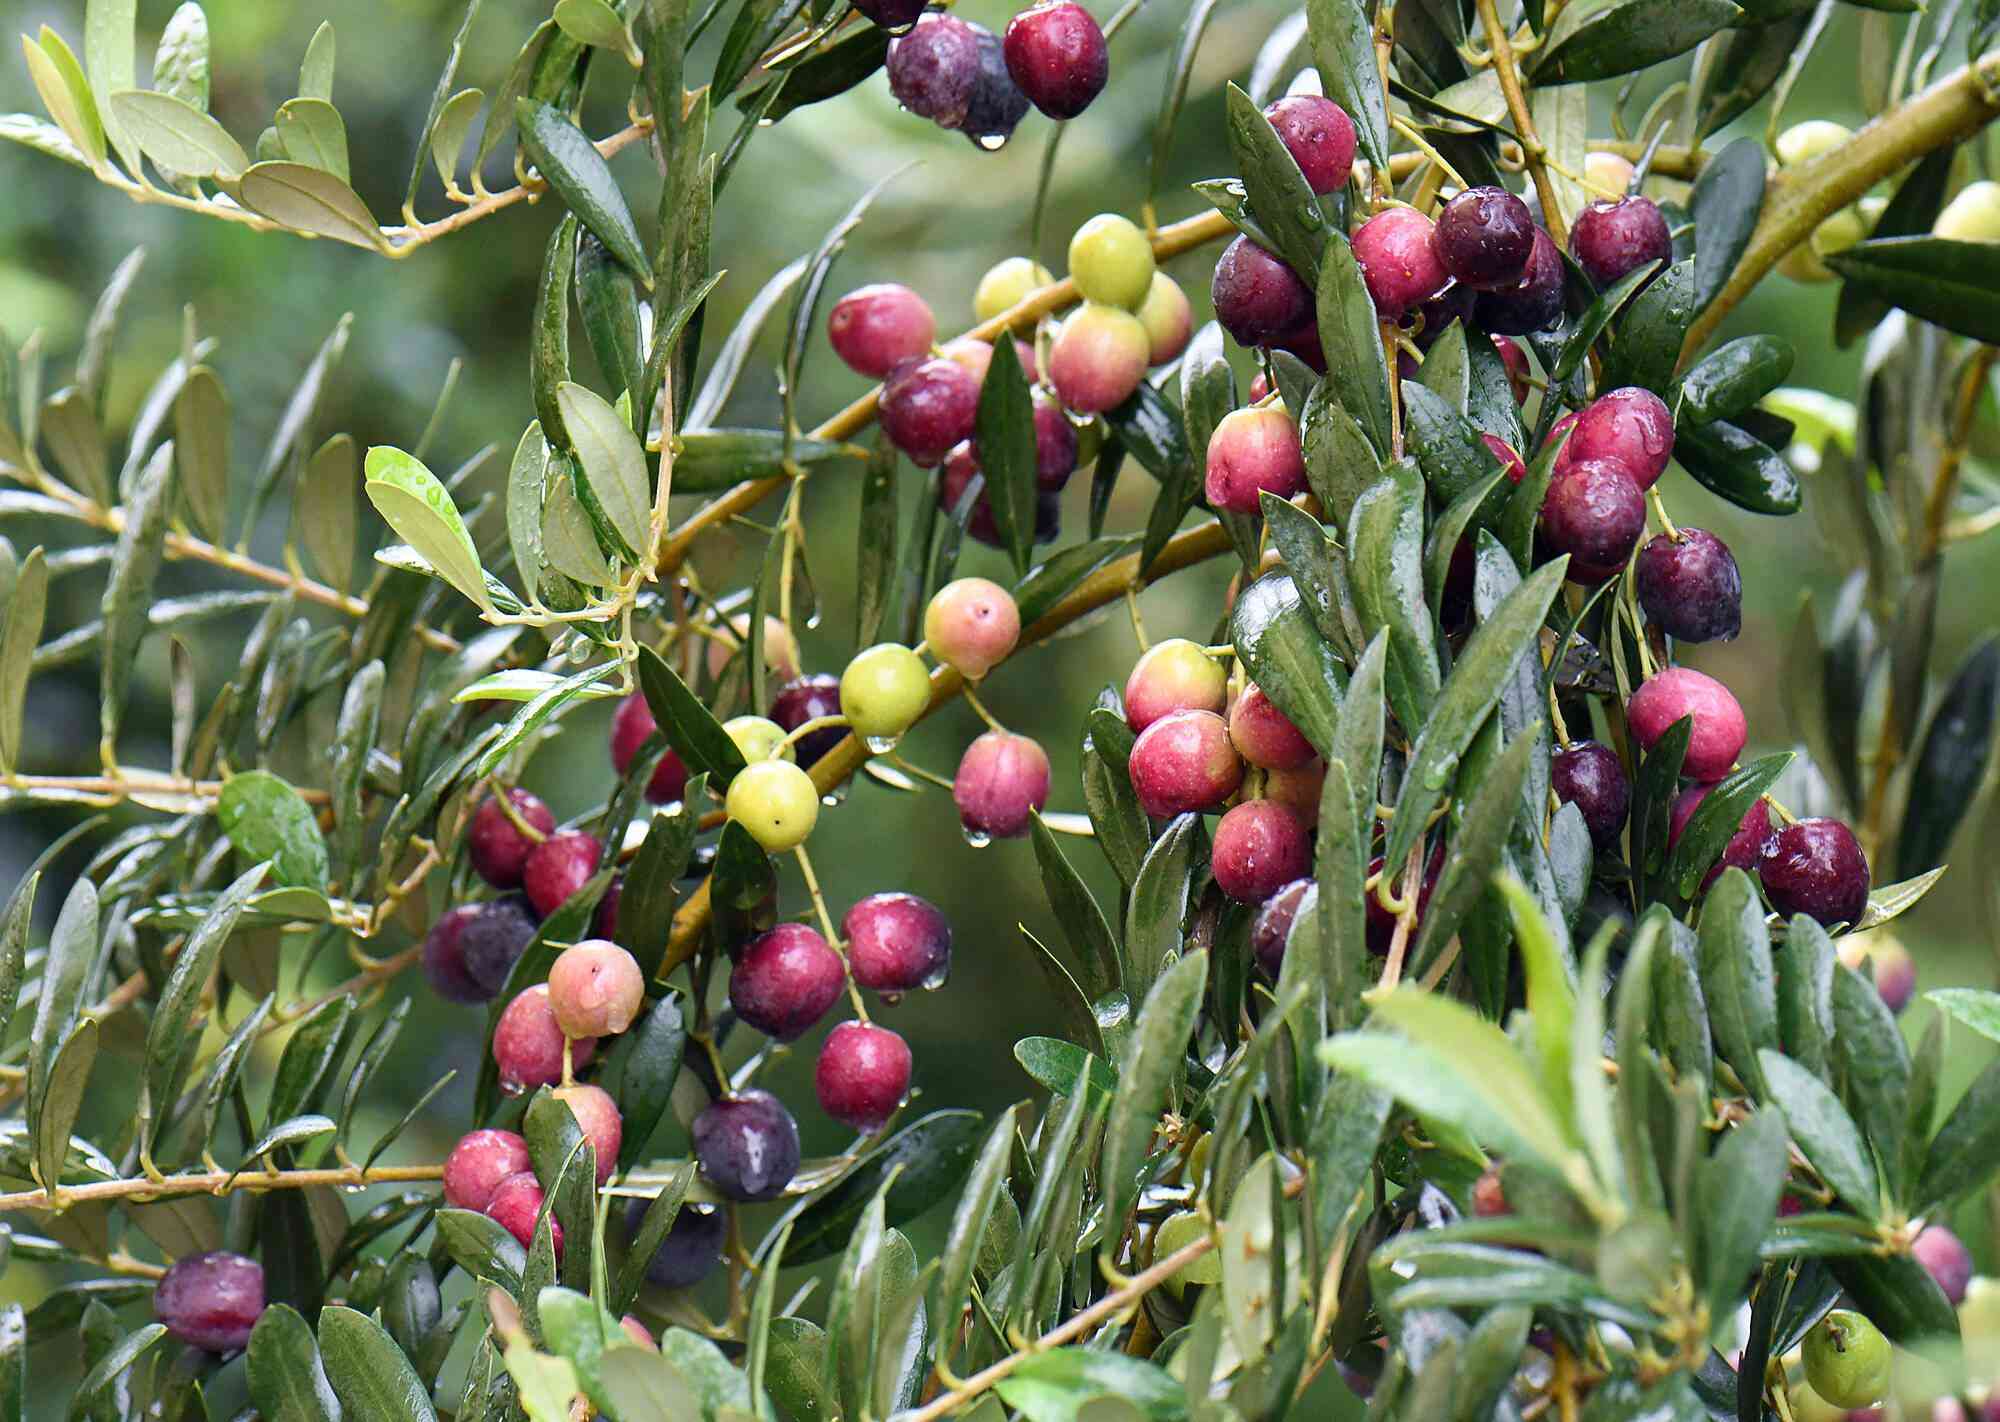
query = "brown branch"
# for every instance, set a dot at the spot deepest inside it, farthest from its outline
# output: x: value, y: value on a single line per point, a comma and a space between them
x: 1950, y: 111
x: 1532, y: 150
x: 214, y: 1182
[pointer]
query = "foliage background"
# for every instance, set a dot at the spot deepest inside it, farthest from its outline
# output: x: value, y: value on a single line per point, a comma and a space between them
x: 271, y: 300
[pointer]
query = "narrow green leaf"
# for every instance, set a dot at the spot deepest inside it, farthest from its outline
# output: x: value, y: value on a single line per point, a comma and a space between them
x: 1159, y: 904
x: 1823, y: 1130
x: 1600, y: 314
x: 1728, y: 460
x: 686, y: 722
x: 19, y: 633
x: 135, y: 565
x: 1356, y: 374
x: 453, y: 127
x: 1092, y: 942
x: 1950, y: 765
x: 62, y: 1099
x: 1736, y: 976
x: 1186, y: 47
x: 420, y: 510
x: 580, y: 176
x: 927, y: 1159
x: 73, y: 946
x: 1386, y: 573
x: 368, y: 1371
x: 1005, y: 432
x: 1604, y: 41
x: 316, y: 68
x: 110, y: 54
x: 1456, y: 1065
x: 1468, y: 696
x: 166, y: 1034
x: 1278, y: 191
x: 64, y: 92
x: 613, y: 463
x: 1146, y: 1077
x: 1287, y: 657
x: 287, y: 1382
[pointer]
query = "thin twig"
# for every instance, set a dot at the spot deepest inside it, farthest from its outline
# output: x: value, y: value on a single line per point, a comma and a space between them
x: 1504, y: 69
x: 214, y: 1182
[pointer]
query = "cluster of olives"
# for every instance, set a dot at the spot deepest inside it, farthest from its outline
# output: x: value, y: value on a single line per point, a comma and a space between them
x: 1132, y: 317
x: 963, y: 77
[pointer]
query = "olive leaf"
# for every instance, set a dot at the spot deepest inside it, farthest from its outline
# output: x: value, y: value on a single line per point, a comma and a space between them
x: 420, y: 510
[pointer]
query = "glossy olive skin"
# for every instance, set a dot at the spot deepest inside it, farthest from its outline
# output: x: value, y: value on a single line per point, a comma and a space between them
x: 748, y: 1145
x: 1610, y: 239
x: 862, y: 1075
x: 211, y: 1301
x: 1816, y: 867
x: 1847, y: 1359
x: 1589, y: 775
x: 809, y: 698
x: 1259, y: 847
x: 1057, y: 55
x: 875, y: 328
x: 1484, y: 237
x: 932, y: 70
x: 1532, y: 304
x: 897, y: 942
x: 498, y: 933
x: 1691, y: 587
x: 444, y: 962
x: 692, y: 1248
x: 1273, y: 925
x: 495, y: 844
x: 1002, y: 780
x: 1594, y: 512
x: 1320, y: 137
x: 1719, y: 729
x: 1258, y: 299
x: 785, y: 980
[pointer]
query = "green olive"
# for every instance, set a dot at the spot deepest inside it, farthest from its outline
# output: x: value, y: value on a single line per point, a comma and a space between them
x: 1847, y: 1359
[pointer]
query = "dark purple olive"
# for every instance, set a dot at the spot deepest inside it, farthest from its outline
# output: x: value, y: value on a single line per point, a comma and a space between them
x: 1816, y: 867
x: 748, y: 1145
x: 1692, y: 587
x: 1588, y: 775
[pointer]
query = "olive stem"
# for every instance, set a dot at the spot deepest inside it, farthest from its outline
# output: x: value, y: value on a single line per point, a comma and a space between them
x: 827, y: 928
x: 1533, y: 152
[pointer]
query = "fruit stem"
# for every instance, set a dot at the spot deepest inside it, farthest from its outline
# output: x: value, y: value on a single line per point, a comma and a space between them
x: 1138, y: 622
x: 806, y: 728
x: 1659, y: 506
x: 977, y: 705
x: 826, y: 927
x: 1410, y: 131
x: 505, y: 803
x: 1533, y: 152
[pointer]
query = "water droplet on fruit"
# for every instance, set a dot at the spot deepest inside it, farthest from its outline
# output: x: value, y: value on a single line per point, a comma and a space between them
x: 991, y: 142
x: 978, y: 839
x: 879, y: 745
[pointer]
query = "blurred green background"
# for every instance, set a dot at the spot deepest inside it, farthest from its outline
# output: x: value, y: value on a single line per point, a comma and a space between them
x: 271, y: 300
